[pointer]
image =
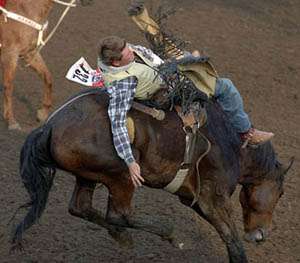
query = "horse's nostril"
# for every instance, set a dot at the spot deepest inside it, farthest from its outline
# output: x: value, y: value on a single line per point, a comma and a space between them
x: 259, y: 235
x: 255, y: 236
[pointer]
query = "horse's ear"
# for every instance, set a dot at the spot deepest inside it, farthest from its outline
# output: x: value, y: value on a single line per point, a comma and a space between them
x: 286, y: 168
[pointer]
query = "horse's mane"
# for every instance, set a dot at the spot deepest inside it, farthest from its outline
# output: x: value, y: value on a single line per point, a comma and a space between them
x: 264, y: 157
x: 222, y: 132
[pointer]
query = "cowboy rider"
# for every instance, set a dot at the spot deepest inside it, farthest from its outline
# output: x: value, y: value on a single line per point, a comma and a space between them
x: 130, y: 71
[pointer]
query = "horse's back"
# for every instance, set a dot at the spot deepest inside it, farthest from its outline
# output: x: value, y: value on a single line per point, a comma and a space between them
x: 81, y: 133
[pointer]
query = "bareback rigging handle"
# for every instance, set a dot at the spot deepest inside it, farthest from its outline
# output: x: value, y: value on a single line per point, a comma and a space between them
x: 156, y: 114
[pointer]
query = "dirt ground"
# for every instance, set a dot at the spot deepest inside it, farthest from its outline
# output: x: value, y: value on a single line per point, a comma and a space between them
x: 255, y: 43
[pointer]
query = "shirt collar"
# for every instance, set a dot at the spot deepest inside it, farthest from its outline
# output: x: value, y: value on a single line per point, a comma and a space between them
x: 112, y: 69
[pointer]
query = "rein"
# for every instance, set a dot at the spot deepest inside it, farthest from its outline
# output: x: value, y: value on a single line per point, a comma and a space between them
x: 89, y: 92
x: 39, y: 27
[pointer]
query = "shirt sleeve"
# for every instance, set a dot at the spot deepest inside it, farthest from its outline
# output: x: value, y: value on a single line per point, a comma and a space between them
x: 121, y: 97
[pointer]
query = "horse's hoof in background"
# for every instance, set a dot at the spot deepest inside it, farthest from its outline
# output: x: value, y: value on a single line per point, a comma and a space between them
x: 14, y: 126
x: 42, y: 115
x: 123, y: 238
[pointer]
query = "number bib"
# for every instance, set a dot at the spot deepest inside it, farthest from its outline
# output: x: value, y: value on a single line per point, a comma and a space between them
x: 82, y: 73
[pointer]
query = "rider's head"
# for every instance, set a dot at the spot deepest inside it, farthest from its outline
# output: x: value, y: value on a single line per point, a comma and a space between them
x: 113, y: 51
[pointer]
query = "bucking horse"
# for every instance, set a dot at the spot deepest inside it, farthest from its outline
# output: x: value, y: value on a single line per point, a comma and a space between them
x: 77, y: 138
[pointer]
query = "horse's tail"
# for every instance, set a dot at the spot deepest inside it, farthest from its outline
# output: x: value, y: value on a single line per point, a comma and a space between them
x: 37, y: 170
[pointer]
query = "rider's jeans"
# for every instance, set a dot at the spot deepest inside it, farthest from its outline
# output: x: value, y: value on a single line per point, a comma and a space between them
x: 232, y: 103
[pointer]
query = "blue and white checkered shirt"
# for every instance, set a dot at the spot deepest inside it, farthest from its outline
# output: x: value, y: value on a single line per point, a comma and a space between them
x: 121, y: 96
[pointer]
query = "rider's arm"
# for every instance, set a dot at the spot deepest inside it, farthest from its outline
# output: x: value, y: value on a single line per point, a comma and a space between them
x: 121, y: 96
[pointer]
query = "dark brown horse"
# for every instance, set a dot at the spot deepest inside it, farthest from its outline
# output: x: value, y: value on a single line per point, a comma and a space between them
x: 20, y: 41
x: 77, y: 138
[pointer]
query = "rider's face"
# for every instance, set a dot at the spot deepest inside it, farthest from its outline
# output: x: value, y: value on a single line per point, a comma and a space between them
x: 127, y: 57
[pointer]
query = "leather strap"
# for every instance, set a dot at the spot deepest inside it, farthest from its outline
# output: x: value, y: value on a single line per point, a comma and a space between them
x: 157, y: 114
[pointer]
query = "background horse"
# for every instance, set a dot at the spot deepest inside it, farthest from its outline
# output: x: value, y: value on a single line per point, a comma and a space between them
x: 20, y: 40
x: 77, y: 139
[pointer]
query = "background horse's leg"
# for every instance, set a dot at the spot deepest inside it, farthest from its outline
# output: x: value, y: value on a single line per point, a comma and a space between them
x: 37, y: 63
x: 81, y: 206
x: 9, y: 59
x: 216, y: 209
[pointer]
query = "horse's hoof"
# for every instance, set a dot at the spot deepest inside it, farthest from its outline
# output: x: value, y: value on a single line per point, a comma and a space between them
x: 14, y: 126
x: 123, y: 238
x: 42, y: 115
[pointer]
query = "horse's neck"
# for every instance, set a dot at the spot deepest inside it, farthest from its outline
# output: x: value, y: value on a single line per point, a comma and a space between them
x: 37, y: 10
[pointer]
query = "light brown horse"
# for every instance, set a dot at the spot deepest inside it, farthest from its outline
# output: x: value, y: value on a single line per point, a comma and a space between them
x: 77, y: 139
x: 20, y: 41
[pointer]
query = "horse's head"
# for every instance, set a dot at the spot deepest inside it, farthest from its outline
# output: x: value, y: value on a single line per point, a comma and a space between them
x: 258, y: 200
x: 86, y: 2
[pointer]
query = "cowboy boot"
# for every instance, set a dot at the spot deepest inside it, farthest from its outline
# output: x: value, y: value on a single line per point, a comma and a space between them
x: 254, y: 136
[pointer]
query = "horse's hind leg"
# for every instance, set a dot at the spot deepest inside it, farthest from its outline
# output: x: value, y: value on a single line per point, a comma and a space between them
x: 9, y: 59
x: 81, y: 206
x: 216, y: 209
x: 37, y: 63
x: 119, y: 211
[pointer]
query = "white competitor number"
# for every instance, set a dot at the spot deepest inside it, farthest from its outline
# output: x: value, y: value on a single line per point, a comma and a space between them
x: 82, y: 73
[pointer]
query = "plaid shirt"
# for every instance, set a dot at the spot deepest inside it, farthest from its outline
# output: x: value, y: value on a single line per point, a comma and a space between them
x: 121, y: 96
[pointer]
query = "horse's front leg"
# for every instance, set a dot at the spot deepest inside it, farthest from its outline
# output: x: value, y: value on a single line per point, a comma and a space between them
x: 216, y: 209
x: 9, y: 60
x: 37, y: 63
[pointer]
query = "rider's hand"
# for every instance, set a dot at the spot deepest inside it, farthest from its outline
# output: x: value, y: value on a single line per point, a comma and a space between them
x: 135, y: 174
